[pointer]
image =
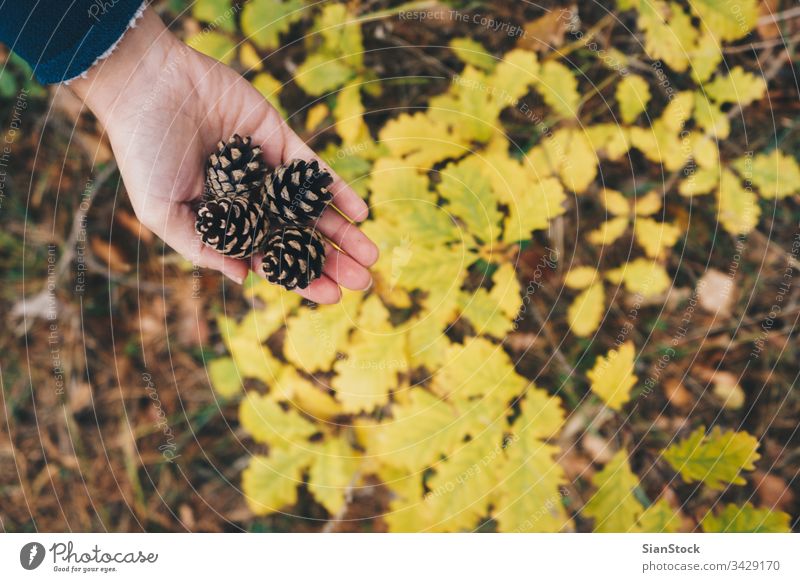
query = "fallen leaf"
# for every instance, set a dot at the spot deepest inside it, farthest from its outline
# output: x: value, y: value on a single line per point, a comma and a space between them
x: 715, y: 292
x: 676, y: 393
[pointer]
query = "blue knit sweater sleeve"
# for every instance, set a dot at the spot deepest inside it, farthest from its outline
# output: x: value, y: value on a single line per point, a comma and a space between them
x: 61, y: 39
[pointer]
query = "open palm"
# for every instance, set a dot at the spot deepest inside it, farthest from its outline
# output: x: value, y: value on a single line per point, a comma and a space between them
x: 165, y: 125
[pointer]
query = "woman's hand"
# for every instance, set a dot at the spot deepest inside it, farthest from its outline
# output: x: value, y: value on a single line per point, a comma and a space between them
x: 164, y: 107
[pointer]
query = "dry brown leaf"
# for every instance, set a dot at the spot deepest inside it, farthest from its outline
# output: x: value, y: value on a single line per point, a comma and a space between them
x: 598, y: 448
x: 676, y: 393
x: 727, y: 389
x: 768, y: 28
x: 772, y: 490
x: 110, y: 255
x: 715, y: 292
x: 546, y: 33
x: 129, y: 222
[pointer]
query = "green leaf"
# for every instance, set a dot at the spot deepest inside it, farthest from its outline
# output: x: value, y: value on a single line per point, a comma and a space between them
x: 321, y: 73
x: 218, y: 13
x: 263, y: 21
x: 727, y: 19
x: 716, y: 459
x: 473, y: 53
x: 660, y: 518
x: 225, y: 377
x: 746, y: 519
x: 214, y: 44
x: 614, y: 506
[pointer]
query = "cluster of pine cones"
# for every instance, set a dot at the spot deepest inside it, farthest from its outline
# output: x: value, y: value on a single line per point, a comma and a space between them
x: 246, y: 210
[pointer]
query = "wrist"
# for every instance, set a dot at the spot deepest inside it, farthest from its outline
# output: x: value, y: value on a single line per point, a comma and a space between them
x: 112, y: 85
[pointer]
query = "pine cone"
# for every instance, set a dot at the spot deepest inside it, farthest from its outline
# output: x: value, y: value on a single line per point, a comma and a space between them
x: 294, y: 256
x: 235, y: 226
x: 297, y: 192
x: 236, y: 168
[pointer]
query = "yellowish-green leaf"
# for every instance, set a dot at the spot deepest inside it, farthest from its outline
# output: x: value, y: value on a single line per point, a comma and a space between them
x: 710, y: 117
x: 478, y: 367
x: 218, y: 13
x: 746, y: 519
x: 533, y: 208
x: 263, y: 21
x: 461, y: 489
x: 609, y: 231
x: 312, y: 400
x: 333, y: 471
x: 580, y: 165
x: 586, y: 312
x: 669, y: 34
x: 716, y: 459
x: 270, y: 483
x: 641, y: 276
x: 612, y: 376
x: 469, y: 195
x: 270, y: 88
x: 581, y: 277
x: 559, y: 88
x: 349, y: 114
x: 614, y: 506
x: 268, y: 423
x: 514, y: 74
x: 214, y: 44
x: 738, y: 87
x: 706, y: 57
x: 322, y: 73
x: 701, y: 181
x: 473, y: 53
x: 726, y: 19
x: 738, y: 207
x: 633, y: 95
x: 655, y: 237
x: 249, y: 57
x: 776, y: 175
x: 314, y: 336
x: 316, y: 115
x: 421, y: 431
x: 660, y: 517
x: 225, y: 377
x: 615, y: 202
x: 420, y: 140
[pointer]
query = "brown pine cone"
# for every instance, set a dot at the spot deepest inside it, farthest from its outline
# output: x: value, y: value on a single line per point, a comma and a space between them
x: 295, y: 256
x: 297, y: 192
x: 235, y: 226
x: 235, y: 168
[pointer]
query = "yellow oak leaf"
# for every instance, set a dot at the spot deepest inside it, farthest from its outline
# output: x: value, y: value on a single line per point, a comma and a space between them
x: 580, y: 165
x: 614, y: 506
x: 334, y: 468
x: 533, y: 208
x: 225, y: 377
x: 472, y: 52
x: 738, y: 87
x: 263, y: 21
x: 705, y: 57
x: 316, y: 115
x: 615, y: 202
x: 214, y: 44
x: 514, y: 74
x: 270, y: 88
x: 314, y: 336
x: 581, y: 277
x: 641, y: 276
x: 655, y: 237
x: 478, y: 367
x: 609, y: 231
x: 701, y: 181
x: 669, y: 34
x: 469, y: 195
x: 648, y: 204
x: 660, y: 517
x: 349, y: 114
x: 633, y: 95
x: 270, y: 483
x: 420, y: 140
x: 710, y: 117
x: 559, y: 88
x: 715, y: 459
x: 728, y: 20
x: 586, y: 311
x: 308, y: 398
x: 268, y: 423
x: 776, y: 175
x: 374, y: 358
x: 612, y: 376
x: 738, y: 207
x: 746, y: 519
